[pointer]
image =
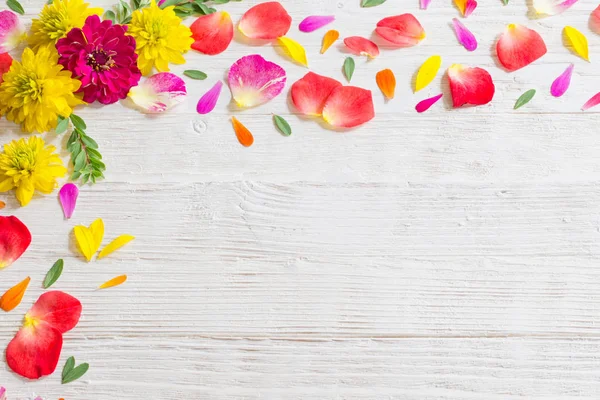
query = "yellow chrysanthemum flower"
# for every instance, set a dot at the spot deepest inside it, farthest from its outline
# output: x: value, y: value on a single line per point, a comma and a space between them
x: 57, y: 19
x: 160, y: 38
x: 36, y: 91
x: 29, y: 165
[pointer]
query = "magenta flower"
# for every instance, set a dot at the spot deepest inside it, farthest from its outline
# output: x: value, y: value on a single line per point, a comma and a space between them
x: 103, y: 58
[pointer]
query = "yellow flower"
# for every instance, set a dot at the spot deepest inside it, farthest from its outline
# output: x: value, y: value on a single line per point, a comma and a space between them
x: 29, y: 165
x: 160, y: 38
x: 57, y: 19
x: 36, y: 91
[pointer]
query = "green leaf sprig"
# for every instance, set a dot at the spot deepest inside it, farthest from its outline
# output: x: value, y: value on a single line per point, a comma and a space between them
x: 123, y: 11
x: 185, y: 8
x: 54, y: 273
x: 71, y: 373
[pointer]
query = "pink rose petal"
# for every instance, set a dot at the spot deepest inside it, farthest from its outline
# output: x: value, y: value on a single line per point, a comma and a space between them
x: 424, y: 105
x: 254, y: 81
x: 12, y: 31
x: 464, y: 36
x: 424, y: 4
x: 595, y: 20
x: 208, y: 102
x: 593, y: 102
x: 68, y: 198
x: 561, y: 84
x: 312, y: 23
x: 159, y: 92
x: 470, y: 6
x: 2, y: 393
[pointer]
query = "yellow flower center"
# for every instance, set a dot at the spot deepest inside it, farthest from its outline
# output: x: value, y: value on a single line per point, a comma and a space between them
x: 30, y: 322
x: 29, y: 87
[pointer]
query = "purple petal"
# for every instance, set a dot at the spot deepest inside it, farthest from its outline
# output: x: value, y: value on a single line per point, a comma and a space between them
x: 312, y: 23
x: 464, y: 36
x: 424, y: 4
x: 2, y: 393
x: 470, y: 7
x: 208, y: 102
x: 425, y: 104
x: 561, y: 84
x: 68, y: 199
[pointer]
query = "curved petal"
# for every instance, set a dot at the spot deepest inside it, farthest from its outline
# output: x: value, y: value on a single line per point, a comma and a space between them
x: 310, y: 93
x: 386, y: 80
x: 208, y: 102
x: 348, y: 106
x: 56, y: 308
x: 159, y: 92
x: 35, y: 350
x: 12, y: 31
x: 552, y: 7
x: 592, y: 102
x: 577, y: 41
x: 595, y: 20
x: 470, y: 85
x: 328, y: 39
x: 242, y: 133
x: 464, y: 36
x: 427, y: 72
x: 68, y: 198
x: 312, y: 23
x: 402, y: 30
x: 424, y: 105
x: 519, y: 46
x: 562, y: 83
x: 361, y: 46
x: 254, y: 81
x: 212, y: 33
x: 15, y: 238
x: 265, y: 21
x: 423, y: 4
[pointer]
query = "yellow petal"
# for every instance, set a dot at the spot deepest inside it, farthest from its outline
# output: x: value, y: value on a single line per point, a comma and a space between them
x: 115, y: 245
x: 461, y: 4
x: 329, y: 39
x: 119, y: 280
x: 294, y: 50
x: 13, y: 296
x: 97, y: 228
x: 427, y: 72
x: 578, y: 42
x: 85, y: 241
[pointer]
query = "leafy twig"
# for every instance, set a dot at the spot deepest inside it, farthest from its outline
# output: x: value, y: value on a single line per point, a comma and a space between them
x: 185, y: 8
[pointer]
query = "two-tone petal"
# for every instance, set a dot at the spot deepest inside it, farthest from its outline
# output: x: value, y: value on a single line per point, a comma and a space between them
x: 361, y: 46
x: 552, y: 7
x: 470, y: 85
x: 15, y: 238
x: 348, y: 107
x: 212, y: 33
x: 159, y: 93
x: 254, y: 81
x: 519, y: 46
x: 12, y: 31
x: 310, y: 93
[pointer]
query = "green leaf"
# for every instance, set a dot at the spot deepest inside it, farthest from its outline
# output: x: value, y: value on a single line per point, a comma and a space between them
x: 371, y: 3
x: 79, y: 161
x: 15, y: 6
x: 69, y: 365
x: 75, y: 373
x: 89, y: 142
x: 349, y: 66
x: 78, y: 122
x: 54, y: 273
x: 195, y: 74
x: 505, y: 2
x: 282, y: 125
x: 525, y: 98
x: 63, y: 124
x: 110, y: 15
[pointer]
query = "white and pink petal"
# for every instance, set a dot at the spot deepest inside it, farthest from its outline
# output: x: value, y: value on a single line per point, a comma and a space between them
x: 159, y: 93
x: 254, y: 81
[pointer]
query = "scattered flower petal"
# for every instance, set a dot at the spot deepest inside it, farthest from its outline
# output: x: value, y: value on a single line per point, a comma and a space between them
x: 519, y: 46
x: 15, y: 238
x: 12, y: 31
x: 119, y: 280
x: 244, y: 136
x: 330, y: 38
x: 310, y: 93
x: 294, y: 50
x: 159, y: 92
x: 212, y: 33
x: 578, y: 42
x: 427, y: 72
x: 2, y: 205
x: 424, y: 105
x: 348, y: 106
x: 464, y: 36
x: 386, y: 80
x: 593, y: 102
x: 361, y: 46
x: 265, y: 21
x: 115, y: 245
x: 402, y: 30
x: 208, y: 102
x: 562, y: 83
x: 470, y: 85
x: 68, y: 198
x: 466, y: 7
x: 89, y: 239
x: 2, y: 393
x: 552, y: 7
x: 13, y: 296
x: 254, y: 81
x: 424, y: 4
x: 312, y: 23
x: 595, y: 20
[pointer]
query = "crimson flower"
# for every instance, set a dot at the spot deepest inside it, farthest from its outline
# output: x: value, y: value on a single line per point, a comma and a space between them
x: 102, y: 57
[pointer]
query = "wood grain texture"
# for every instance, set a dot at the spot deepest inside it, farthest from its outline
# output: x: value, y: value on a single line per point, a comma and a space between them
x: 449, y: 255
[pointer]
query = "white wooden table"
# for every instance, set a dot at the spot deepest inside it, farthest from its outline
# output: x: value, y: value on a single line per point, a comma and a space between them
x: 448, y: 255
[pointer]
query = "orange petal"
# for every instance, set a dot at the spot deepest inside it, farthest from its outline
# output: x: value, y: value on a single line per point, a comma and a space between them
x: 386, y: 82
x: 13, y: 296
x: 361, y: 46
x: 35, y: 350
x: 265, y: 21
x: 402, y: 30
x: 329, y: 39
x: 212, y: 33
x: 56, y: 308
x: 349, y: 106
x: 470, y: 85
x: 519, y: 46
x: 2, y: 205
x: 310, y: 93
x: 244, y: 136
x: 119, y: 280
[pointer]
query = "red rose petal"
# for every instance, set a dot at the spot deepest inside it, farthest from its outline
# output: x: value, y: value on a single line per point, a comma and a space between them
x: 212, y: 33
x: 402, y: 30
x: 14, y: 240
x: 310, y: 93
x: 470, y: 85
x: 349, y: 106
x: 35, y: 350
x: 595, y: 20
x: 519, y: 46
x: 5, y: 63
x: 361, y: 46
x: 265, y: 21
x: 58, y: 309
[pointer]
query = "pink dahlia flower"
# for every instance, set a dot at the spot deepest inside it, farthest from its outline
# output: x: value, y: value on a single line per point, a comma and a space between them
x: 103, y: 58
